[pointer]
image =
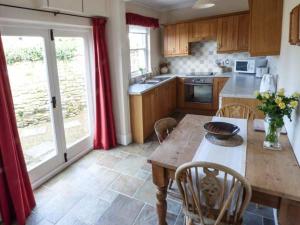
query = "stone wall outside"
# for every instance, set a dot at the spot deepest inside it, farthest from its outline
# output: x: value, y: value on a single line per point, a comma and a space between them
x: 32, y: 102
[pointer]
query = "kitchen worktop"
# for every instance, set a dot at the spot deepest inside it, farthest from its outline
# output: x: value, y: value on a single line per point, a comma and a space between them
x: 241, y: 86
x: 140, y: 88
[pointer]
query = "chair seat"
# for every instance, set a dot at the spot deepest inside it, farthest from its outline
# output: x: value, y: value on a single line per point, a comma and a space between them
x: 196, y: 220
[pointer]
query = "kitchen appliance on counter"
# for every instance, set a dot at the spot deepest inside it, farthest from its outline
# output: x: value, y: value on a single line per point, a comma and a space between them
x: 261, y: 71
x: 268, y: 83
x: 199, y: 89
x: 249, y: 65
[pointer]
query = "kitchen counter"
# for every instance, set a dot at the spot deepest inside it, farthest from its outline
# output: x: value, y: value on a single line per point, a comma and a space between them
x: 241, y: 86
x: 140, y: 88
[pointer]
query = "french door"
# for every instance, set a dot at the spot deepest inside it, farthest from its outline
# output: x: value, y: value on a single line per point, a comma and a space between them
x: 50, y: 78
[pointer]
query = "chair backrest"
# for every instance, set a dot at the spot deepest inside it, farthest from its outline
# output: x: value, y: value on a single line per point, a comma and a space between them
x: 237, y: 111
x: 213, y: 192
x: 164, y: 127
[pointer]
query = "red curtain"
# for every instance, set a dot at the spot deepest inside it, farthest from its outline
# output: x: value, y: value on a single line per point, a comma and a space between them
x: 105, y: 134
x: 16, y: 196
x: 135, y: 19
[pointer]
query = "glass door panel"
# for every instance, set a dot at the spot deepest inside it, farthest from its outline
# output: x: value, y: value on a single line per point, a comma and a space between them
x: 71, y: 66
x: 28, y: 75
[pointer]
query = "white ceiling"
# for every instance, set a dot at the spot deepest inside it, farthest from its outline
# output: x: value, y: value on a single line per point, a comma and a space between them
x: 166, y: 5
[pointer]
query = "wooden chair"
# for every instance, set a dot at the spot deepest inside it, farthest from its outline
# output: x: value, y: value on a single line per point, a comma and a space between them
x: 164, y: 127
x: 212, y: 194
x: 237, y: 111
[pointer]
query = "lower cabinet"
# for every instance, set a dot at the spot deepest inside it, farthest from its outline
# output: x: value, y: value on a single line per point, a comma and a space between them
x: 149, y: 107
x: 219, y: 83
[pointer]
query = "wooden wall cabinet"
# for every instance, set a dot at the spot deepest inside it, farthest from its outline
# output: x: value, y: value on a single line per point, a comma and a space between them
x: 203, y: 30
x: 149, y: 107
x: 265, y: 27
x: 295, y: 26
x: 233, y: 33
x: 176, y: 41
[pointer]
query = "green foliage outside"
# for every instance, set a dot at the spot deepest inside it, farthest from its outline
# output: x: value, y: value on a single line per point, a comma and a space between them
x: 33, y: 54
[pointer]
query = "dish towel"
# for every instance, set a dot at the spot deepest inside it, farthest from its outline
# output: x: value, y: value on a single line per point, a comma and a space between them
x: 232, y: 157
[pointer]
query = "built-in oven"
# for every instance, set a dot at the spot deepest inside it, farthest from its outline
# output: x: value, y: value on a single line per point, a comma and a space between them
x: 198, y: 90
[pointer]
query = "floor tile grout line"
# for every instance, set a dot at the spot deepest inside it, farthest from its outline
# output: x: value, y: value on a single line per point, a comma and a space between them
x: 139, y: 214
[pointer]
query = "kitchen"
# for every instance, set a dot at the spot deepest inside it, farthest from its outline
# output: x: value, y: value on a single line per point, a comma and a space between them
x: 216, y: 61
x: 139, y: 112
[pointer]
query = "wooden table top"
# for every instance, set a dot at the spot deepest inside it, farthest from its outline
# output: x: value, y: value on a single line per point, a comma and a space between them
x: 273, y: 172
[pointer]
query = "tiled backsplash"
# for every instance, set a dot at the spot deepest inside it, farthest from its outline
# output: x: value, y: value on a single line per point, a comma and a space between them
x: 203, y: 59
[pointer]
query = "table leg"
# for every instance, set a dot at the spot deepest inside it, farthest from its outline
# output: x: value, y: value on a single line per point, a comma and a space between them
x: 161, y: 205
x: 161, y: 180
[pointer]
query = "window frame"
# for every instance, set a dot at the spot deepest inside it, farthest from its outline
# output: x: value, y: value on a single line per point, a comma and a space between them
x: 146, y: 49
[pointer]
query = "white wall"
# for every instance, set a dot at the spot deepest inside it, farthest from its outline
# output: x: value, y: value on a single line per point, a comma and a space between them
x: 118, y: 45
x: 155, y: 34
x: 289, y: 73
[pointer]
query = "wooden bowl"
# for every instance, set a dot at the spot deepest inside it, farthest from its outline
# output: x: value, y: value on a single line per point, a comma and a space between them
x: 221, y: 130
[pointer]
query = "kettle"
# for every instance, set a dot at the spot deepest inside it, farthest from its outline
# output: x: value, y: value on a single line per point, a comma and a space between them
x: 268, y: 83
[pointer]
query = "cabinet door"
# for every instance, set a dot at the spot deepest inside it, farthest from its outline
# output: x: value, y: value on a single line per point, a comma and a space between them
x: 182, y: 39
x: 227, y: 34
x: 148, y: 112
x: 243, y: 32
x: 95, y: 7
x: 295, y: 26
x: 170, y: 40
x: 219, y: 83
x: 265, y: 27
x: 203, y: 30
x: 66, y: 5
x: 180, y: 93
x: 172, y: 96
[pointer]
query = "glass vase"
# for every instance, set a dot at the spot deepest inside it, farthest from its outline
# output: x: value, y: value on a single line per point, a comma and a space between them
x: 272, y: 134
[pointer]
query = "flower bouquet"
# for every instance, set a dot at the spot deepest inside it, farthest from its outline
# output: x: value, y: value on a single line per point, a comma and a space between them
x: 275, y: 106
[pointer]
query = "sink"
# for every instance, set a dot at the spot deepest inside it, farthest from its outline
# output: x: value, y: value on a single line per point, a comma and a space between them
x: 161, y: 78
x: 156, y: 80
x: 151, y: 82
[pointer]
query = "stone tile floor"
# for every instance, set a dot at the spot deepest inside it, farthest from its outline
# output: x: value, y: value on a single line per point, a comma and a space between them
x: 112, y: 188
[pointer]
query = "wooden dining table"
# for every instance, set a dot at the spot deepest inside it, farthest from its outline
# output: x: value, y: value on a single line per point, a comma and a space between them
x: 273, y: 175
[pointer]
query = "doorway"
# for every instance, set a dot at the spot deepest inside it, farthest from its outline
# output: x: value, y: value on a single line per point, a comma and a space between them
x: 50, y: 78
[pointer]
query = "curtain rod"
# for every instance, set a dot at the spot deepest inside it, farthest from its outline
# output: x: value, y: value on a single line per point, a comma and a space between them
x: 48, y: 11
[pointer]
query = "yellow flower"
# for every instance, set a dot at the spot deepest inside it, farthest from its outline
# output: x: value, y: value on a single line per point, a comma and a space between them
x: 256, y: 93
x: 278, y: 100
x: 281, y: 92
x: 296, y: 95
x: 294, y: 104
x: 266, y: 95
x: 282, y: 105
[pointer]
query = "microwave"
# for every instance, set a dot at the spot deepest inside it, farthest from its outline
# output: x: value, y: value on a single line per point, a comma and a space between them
x: 245, y: 66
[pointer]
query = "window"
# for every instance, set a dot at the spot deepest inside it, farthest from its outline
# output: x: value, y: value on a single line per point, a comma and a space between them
x: 139, y: 50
